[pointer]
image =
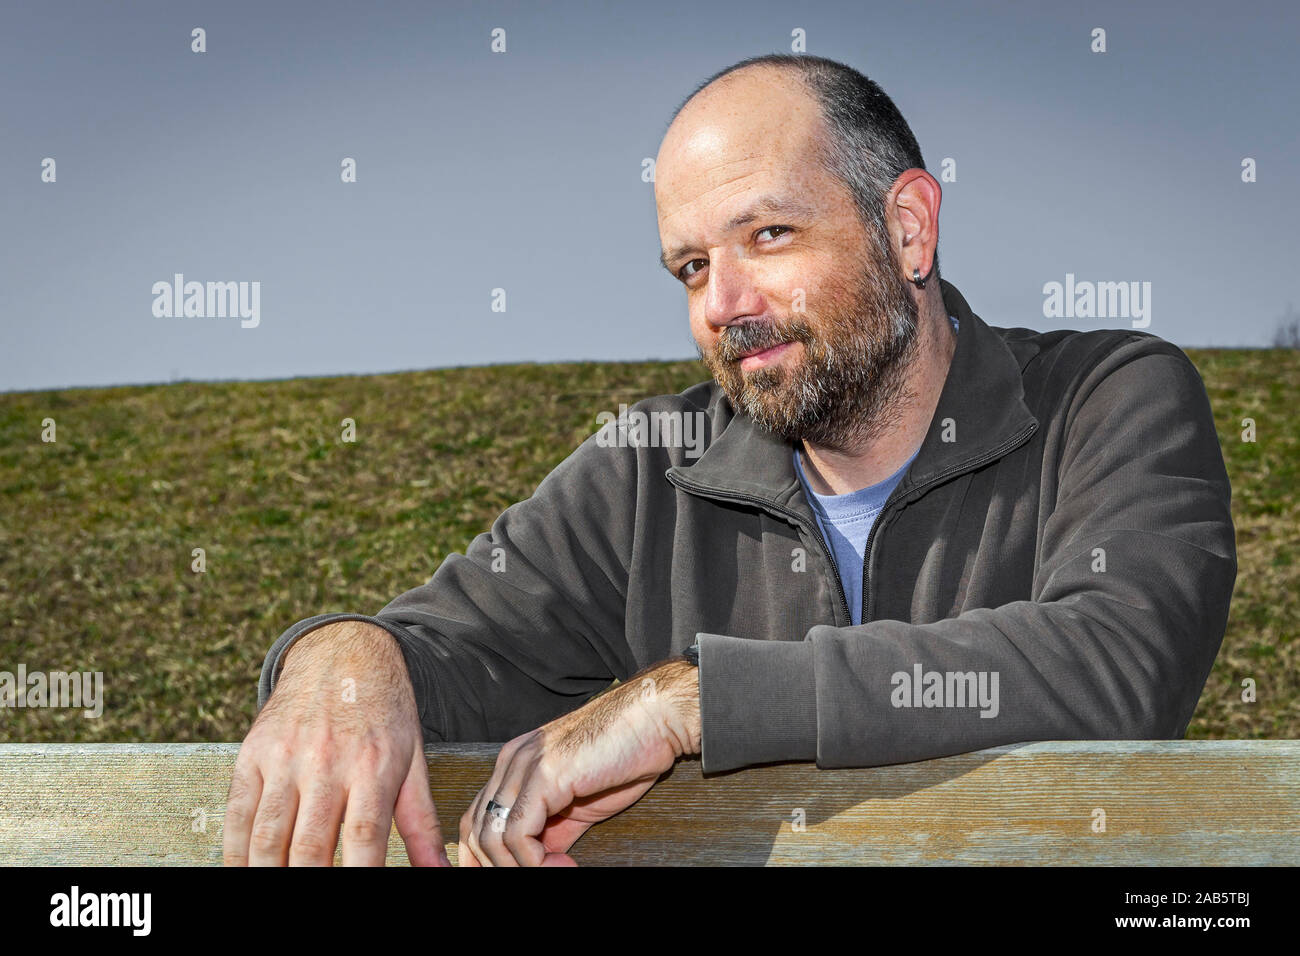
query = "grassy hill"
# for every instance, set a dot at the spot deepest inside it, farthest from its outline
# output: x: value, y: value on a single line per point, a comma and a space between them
x: 98, y: 528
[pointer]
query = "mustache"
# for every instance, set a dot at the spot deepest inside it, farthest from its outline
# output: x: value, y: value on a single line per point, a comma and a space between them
x: 737, y: 341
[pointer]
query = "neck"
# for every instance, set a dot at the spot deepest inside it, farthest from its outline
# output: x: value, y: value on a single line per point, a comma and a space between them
x: 838, y: 471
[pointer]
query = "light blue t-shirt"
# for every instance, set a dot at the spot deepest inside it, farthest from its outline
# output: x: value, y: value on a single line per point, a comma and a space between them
x: 846, y: 522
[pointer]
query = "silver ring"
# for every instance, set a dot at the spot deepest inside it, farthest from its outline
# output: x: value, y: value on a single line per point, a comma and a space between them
x: 495, y: 809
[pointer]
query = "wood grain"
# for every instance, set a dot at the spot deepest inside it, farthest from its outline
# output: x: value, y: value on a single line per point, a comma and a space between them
x: 1165, y: 803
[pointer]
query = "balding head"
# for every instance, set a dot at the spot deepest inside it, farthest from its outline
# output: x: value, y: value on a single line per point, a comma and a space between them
x: 755, y: 116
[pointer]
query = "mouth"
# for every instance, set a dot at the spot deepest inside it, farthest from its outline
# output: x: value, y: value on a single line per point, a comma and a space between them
x: 763, y: 357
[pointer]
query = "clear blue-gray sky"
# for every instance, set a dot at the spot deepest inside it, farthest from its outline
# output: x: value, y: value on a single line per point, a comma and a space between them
x: 522, y: 170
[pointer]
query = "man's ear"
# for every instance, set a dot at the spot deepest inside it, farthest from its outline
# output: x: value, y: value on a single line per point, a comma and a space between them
x: 914, y: 206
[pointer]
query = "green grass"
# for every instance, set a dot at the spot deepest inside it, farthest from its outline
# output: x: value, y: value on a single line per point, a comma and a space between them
x: 98, y: 527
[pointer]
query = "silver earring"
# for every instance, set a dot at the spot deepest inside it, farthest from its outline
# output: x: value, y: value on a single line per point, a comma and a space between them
x: 916, y: 278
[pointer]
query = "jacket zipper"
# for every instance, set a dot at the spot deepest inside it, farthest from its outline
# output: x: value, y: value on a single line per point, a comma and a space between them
x: 988, y: 456
x: 798, y: 522
x: 789, y: 515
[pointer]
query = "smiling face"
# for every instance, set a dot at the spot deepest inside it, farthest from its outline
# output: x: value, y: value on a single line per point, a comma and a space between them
x: 800, y: 312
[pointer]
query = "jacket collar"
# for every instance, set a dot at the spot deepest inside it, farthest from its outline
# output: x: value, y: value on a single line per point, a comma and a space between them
x: 983, y: 395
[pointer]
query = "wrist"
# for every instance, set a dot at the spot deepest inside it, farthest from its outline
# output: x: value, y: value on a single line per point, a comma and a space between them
x: 337, y: 640
x: 675, y: 704
x: 339, y: 650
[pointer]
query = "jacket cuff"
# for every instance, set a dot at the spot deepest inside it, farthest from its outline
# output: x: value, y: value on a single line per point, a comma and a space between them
x: 758, y: 702
x: 275, y: 656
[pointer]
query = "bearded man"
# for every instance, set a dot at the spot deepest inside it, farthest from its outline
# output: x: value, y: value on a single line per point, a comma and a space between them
x: 910, y: 534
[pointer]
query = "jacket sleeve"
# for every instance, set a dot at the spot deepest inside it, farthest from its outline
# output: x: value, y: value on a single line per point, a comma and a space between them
x: 1116, y: 654
x: 529, y: 622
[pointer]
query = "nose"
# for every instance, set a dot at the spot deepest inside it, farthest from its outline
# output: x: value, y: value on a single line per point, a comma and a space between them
x: 732, y: 292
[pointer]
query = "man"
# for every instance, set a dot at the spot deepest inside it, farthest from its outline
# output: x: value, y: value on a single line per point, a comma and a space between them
x: 910, y: 534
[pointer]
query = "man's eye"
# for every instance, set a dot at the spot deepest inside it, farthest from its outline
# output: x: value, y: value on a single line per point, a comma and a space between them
x: 685, y: 272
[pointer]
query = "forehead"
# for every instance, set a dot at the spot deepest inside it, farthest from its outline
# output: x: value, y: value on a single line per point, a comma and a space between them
x: 749, y: 122
x: 760, y: 135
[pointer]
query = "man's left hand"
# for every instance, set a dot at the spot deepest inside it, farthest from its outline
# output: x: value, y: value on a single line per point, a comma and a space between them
x: 582, y: 768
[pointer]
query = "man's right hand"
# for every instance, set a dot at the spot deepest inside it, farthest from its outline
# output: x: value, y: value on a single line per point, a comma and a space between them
x: 338, y: 742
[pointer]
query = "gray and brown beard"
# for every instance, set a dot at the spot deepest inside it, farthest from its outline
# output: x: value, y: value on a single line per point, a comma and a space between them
x: 849, y: 385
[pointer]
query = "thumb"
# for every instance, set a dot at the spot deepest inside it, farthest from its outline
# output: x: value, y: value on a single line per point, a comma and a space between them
x: 560, y: 833
x: 417, y: 818
x: 558, y: 859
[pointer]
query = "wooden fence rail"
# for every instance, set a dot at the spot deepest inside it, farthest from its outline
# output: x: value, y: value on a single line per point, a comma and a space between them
x: 1088, y: 802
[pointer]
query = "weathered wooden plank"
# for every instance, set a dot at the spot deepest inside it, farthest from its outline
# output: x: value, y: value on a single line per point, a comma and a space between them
x: 1165, y: 803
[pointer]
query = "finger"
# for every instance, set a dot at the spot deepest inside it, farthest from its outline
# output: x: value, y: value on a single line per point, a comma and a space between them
x: 417, y: 818
x: 465, y: 856
x: 241, y: 808
x: 316, y: 830
x: 472, y: 821
x: 468, y: 850
x: 366, y: 825
x: 273, y: 824
x: 528, y: 813
x: 504, y: 789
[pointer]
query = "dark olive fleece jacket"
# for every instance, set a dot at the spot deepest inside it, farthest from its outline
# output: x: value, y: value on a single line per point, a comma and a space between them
x: 1063, y: 536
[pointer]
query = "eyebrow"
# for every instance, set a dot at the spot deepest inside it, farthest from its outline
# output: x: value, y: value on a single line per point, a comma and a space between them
x: 767, y: 205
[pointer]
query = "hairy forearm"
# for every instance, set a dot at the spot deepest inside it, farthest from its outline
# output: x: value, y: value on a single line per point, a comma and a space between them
x: 665, y: 695
x: 345, y: 659
x: 334, y: 641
